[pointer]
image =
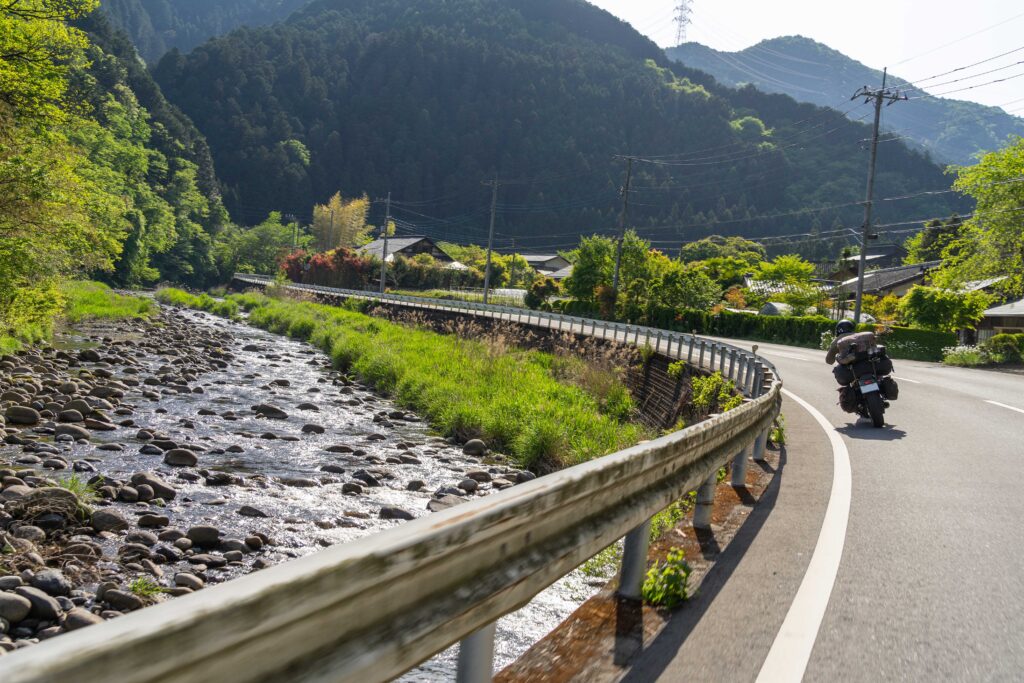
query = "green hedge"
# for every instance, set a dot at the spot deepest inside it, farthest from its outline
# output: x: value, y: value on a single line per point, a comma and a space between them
x: 914, y: 344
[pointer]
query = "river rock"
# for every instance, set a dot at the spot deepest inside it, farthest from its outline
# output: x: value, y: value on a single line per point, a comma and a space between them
x: 186, y: 580
x: 312, y: 429
x: 44, y: 607
x: 154, y: 521
x: 474, y: 447
x: 70, y: 416
x: 123, y: 601
x: 480, y: 476
x: 415, y: 485
x: 180, y: 457
x: 444, y: 502
x: 339, y: 448
x: 52, y: 582
x: 299, y: 482
x: 73, y: 431
x: 108, y: 520
x: 351, y: 487
x: 13, y: 607
x: 308, y: 406
x: 30, y: 533
x: 469, y: 485
x: 270, y: 411
x: 80, y: 618
x: 22, y: 415
x: 204, y: 535
x: 395, y: 513
x: 250, y: 511
x: 160, y: 487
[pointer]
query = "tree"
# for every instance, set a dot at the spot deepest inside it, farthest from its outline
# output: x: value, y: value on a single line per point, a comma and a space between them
x: 340, y: 222
x: 991, y: 242
x: 259, y: 249
x: 541, y: 290
x: 946, y: 310
x: 717, y: 246
x: 789, y: 268
x: 935, y: 238
x: 594, y: 265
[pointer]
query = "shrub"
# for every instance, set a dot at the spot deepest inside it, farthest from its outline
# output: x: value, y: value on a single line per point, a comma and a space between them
x: 912, y: 343
x: 713, y: 393
x: 964, y: 356
x: 1004, y: 348
x: 666, y: 582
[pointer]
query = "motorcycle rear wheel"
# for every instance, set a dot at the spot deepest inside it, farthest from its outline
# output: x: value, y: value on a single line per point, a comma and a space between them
x: 876, y: 410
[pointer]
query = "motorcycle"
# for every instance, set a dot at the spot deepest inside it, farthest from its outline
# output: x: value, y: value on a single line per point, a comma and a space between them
x: 870, y: 388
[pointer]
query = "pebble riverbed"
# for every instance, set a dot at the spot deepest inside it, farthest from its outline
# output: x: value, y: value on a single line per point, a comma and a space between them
x: 216, y: 449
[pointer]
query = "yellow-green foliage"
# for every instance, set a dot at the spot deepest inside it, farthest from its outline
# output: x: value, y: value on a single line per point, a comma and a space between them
x: 93, y: 300
x: 466, y: 388
x: 203, y: 302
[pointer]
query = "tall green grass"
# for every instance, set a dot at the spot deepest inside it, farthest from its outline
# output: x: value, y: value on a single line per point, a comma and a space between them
x: 466, y: 388
x: 93, y: 300
x: 74, y: 301
x: 204, y: 302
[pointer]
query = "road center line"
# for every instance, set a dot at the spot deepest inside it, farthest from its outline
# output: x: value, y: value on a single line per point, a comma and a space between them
x: 904, y: 379
x: 791, y: 651
x: 1003, y: 405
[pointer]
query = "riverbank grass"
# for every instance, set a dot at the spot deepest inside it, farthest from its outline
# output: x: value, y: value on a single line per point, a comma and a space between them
x: 73, y: 301
x: 466, y: 388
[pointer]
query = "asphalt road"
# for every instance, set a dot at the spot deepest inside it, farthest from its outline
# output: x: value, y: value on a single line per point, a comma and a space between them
x: 931, y: 579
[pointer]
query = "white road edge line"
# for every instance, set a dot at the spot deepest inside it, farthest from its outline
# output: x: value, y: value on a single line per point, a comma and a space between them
x: 1003, y: 405
x: 904, y: 379
x: 791, y: 651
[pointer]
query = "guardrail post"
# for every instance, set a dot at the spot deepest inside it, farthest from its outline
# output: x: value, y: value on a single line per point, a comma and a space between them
x: 711, y: 359
x: 758, y: 387
x: 476, y: 656
x: 721, y: 360
x: 748, y: 379
x: 705, y: 501
x: 700, y: 360
x: 634, y: 561
x: 689, y: 354
x: 657, y: 344
x: 732, y: 364
x: 636, y: 335
x: 760, y: 444
x: 739, y: 469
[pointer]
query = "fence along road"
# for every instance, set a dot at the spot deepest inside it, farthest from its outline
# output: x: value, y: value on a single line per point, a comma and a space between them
x: 373, y: 610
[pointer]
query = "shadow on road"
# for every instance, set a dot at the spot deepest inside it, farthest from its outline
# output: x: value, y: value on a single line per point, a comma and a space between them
x: 660, y: 653
x: 865, y: 432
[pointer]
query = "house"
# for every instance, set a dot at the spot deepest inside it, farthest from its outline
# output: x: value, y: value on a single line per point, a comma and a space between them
x: 545, y: 264
x: 561, y: 274
x: 896, y: 280
x: 407, y: 247
x: 875, y: 256
x: 1005, y: 319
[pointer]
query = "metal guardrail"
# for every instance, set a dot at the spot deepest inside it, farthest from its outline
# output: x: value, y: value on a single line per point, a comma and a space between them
x: 371, y: 610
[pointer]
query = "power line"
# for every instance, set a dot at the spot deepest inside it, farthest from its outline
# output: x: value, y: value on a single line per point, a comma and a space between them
x: 972, y: 87
x: 966, y: 66
x: 967, y: 78
x: 958, y: 40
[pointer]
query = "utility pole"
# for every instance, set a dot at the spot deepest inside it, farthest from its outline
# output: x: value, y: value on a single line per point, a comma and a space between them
x: 490, y: 235
x: 512, y: 277
x: 331, y: 242
x: 683, y: 12
x: 384, y: 257
x: 622, y: 222
x: 879, y: 95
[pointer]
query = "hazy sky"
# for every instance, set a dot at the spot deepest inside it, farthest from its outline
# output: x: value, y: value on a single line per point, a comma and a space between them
x: 911, y: 37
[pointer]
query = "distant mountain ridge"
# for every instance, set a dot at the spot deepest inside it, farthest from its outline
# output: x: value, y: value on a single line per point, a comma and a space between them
x: 951, y: 131
x: 158, y: 26
x: 424, y: 100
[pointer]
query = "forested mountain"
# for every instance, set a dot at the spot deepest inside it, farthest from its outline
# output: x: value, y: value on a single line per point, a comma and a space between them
x: 426, y: 100
x: 952, y: 131
x: 157, y: 26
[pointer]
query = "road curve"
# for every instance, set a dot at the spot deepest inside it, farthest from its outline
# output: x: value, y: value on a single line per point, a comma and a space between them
x: 930, y: 582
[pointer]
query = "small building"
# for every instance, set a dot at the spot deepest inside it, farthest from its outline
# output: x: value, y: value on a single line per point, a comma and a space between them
x: 1005, y: 319
x: 896, y: 280
x: 545, y: 264
x: 407, y: 247
x: 560, y: 274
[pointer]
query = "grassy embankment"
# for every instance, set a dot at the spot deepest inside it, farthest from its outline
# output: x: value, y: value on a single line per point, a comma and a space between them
x: 77, y: 301
x: 468, y: 388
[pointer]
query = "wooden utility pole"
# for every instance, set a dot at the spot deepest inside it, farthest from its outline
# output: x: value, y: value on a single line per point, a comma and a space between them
x: 384, y: 256
x: 490, y: 235
x: 879, y: 95
x: 622, y: 222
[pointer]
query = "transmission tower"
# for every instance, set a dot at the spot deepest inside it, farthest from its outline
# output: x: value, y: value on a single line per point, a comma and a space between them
x: 683, y: 12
